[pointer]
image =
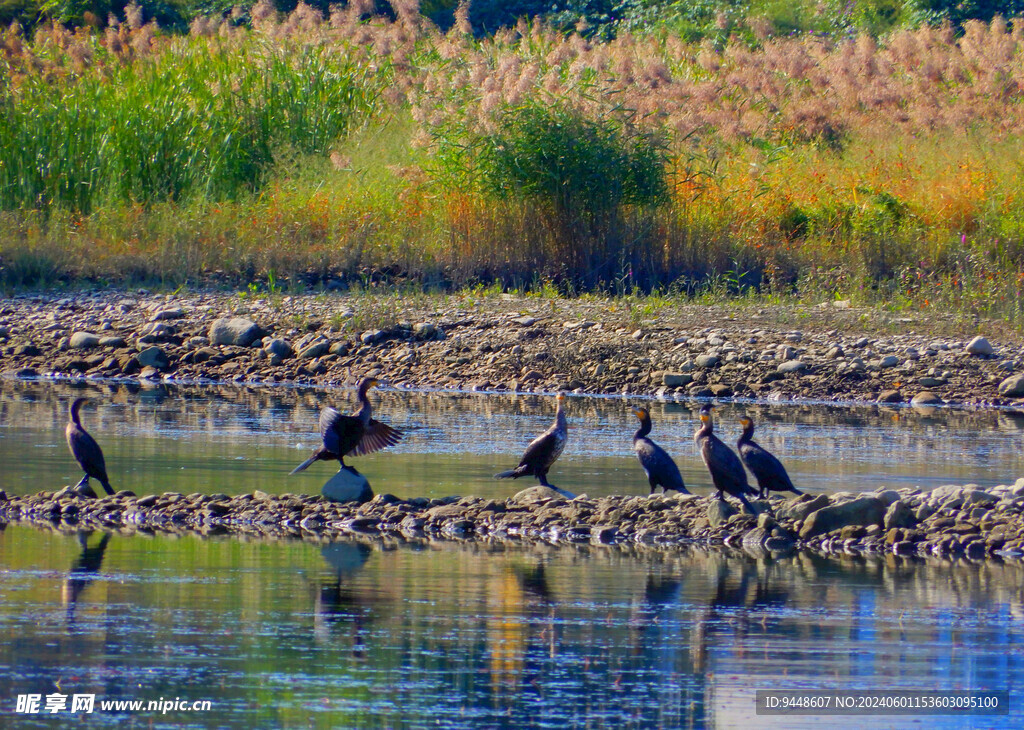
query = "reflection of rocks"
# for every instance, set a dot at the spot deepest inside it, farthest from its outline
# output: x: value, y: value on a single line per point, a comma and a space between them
x: 949, y: 520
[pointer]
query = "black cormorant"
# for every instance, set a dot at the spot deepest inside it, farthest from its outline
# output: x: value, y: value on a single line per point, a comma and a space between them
x: 658, y: 465
x: 86, y: 452
x: 726, y: 469
x: 542, y: 451
x: 770, y: 473
x: 351, y: 435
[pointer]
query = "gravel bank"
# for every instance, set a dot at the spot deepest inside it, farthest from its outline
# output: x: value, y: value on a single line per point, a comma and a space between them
x: 502, y: 344
x: 948, y: 521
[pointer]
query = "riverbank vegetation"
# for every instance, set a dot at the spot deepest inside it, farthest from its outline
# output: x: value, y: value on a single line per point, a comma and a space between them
x: 366, y: 148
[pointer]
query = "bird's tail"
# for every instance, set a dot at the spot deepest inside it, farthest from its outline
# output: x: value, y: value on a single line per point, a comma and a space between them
x: 794, y: 490
x: 106, y: 485
x: 510, y: 474
x: 306, y: 463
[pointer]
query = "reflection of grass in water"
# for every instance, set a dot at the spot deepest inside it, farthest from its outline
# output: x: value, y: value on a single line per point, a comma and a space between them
x: 248, y: 610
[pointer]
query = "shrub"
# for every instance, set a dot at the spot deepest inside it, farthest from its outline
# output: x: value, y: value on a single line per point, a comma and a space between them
x: 576, y: 166
x: 576, y: 173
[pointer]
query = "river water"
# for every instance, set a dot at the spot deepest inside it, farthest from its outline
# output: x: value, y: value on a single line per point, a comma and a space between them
x: 372, y: 634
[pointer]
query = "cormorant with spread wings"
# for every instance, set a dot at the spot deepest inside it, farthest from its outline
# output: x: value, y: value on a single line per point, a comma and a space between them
x: 354, y: 435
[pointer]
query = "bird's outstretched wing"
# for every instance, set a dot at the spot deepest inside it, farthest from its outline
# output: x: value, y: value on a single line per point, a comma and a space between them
x: 377, y: 436
x: 329, y: 418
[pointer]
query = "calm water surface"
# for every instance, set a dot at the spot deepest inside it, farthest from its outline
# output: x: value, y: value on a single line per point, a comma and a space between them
x: 294, y: 634
x: 291, y: 634
x: 234, y: 439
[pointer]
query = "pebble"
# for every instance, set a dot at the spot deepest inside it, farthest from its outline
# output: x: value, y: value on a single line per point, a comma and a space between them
x: 792, y: 366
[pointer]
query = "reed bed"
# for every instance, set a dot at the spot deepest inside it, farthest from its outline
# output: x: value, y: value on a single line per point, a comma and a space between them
x: 307, y: 148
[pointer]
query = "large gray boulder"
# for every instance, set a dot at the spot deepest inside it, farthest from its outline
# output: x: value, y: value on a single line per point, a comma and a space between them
x: 863, y: 511
x: 153, y: 357
x: 979, y: 346
x: 347, y: 486
x: 237, y: 331
x: 540, y: 494
x: 84, y: 340
x: 1012, y: 387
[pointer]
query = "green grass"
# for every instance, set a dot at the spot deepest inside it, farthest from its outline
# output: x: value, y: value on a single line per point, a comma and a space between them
x: 205, y: 121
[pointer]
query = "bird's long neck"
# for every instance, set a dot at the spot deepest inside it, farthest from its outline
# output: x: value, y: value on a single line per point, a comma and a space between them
x: 747, y: 435
x: 74, y: 413
x: 365, y: 409
x: 645, y: 428
x: 706, y: 430
x: 560, y: 422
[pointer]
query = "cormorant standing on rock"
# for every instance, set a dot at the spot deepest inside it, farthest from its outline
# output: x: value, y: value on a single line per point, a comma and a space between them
x: 351, y: 435
x: 727, y: 471
x: 769, y: 471
x: 86, y: 452
x: 542, y: 451
x: 657, y: 464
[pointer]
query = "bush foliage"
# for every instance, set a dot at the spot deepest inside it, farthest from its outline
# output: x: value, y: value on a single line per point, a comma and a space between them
x: 376, y: 146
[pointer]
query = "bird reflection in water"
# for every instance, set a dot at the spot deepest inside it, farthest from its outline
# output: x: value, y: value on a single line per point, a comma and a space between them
x: 83, y: 572
x: 744, y: 587
x: 338, y: 602
x: 660, y: 592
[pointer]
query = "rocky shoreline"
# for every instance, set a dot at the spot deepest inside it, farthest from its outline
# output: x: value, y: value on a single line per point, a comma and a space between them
x: 949, y: 521
x: 503, y: 343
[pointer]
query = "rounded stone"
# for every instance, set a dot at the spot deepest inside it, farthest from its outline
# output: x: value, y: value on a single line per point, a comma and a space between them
x: 979, y: 346
x: 1012, y: 387
x: 84, y: 340
x: 278, y: 347
x: 153, y: 357
x: 237, y: 331
x: 926, y: 398
x: 792, y: 366
x: 890, y: 396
